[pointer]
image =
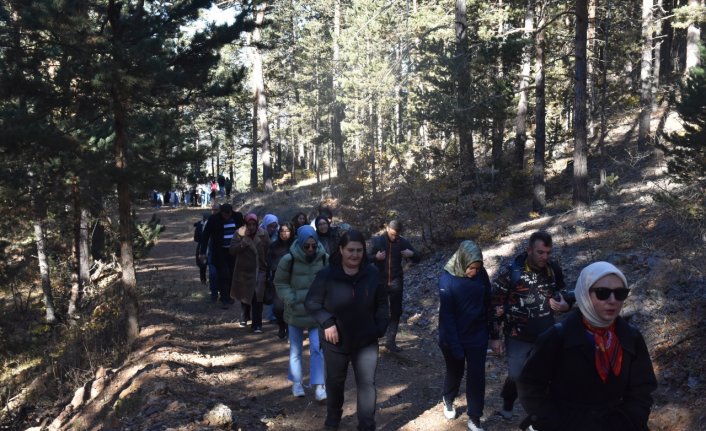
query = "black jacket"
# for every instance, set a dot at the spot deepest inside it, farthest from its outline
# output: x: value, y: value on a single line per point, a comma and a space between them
x: 391, y: 267
x: 560, y: 389
x: 356, y: 304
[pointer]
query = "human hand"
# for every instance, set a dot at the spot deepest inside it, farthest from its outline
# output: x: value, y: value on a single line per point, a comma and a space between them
x: 331, y: 334
x: 561, y: 305
x: 499, y: 311
x: 407, y: 253
x: 497, y: 347
x: 380, y: 255
x: 202, y: 258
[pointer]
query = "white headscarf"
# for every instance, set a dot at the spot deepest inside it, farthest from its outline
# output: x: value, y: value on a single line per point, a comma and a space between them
x: 588, y: 277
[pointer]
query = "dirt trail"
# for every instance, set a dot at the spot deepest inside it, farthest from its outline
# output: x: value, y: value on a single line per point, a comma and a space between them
x: 192, y: 355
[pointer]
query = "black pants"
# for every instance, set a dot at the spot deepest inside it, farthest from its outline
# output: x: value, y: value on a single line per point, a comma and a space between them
x: 474, y: 362
x: 252, y: 310
x: 364, y: 361
x: 225, y: 265
x: 394, y: 291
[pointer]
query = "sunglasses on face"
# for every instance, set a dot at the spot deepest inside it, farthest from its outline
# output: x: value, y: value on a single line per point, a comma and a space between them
x: 603, y: 293
x: 309, y: 246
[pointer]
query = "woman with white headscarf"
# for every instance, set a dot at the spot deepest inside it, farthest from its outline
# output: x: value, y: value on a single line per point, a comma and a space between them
x: 592, y: 371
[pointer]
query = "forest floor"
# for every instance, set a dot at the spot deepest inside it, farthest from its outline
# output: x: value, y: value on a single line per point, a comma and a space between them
x: 194, y: 368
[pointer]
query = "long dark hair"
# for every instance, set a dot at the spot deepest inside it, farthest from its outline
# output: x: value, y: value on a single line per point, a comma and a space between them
x: 296, y: 223
x: 292, y: 232
x: 350, y: 236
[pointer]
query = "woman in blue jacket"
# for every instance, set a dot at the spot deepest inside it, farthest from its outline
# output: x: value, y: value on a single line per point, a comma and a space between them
x: 465, y: 326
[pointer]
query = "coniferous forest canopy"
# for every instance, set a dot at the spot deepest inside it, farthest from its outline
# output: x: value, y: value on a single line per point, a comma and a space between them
x: 104, y: 101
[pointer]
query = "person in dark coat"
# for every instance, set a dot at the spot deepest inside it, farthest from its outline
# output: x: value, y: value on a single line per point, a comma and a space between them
x: 592, y: 371
x: 387, y: 252
x: 465, y: 325
x: 348, y: 300
x: 218, y: 231
x: 278, y: 249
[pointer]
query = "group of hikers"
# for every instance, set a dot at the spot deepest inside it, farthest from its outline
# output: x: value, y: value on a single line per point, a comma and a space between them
x: 590, y: 371
x: 200, y: 194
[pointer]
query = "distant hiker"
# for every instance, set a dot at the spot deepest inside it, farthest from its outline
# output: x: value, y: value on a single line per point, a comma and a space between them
x: 270, y: 224
x: 198, y: 231
x: 221, y: 185
x: 327, y: 235
x: 526, y: 295
x: 229, y: 187
x: 278, y: 249
x: 592, y: 371
x: 214, y: 189
x: 348, y: 301
x: 299, y: 220
x: 249, y: 247
x: 387, y: 252
x: 465, y: 325
x: 295, y: 272
x: 219, y: 229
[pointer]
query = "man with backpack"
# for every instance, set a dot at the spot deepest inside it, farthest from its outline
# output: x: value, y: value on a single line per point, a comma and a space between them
x: 220, y: 228
x: 526, y: 294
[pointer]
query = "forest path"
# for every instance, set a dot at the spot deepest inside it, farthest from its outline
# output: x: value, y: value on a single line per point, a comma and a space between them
x: 192, y: 355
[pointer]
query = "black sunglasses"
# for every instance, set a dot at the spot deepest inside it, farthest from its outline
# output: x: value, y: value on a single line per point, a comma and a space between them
x: 603, y: 293
x: 309, y: 246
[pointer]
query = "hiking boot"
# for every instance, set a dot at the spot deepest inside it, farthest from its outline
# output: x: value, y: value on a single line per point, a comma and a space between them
x: 257, y: 330
x: 393, y: 347
x: 298, y: 389
x: 506, y: 414
x: 281, y: 333
x: 474, y: 424
x: 243, y: 323
x: 320, y: 393
x: 449, y: 409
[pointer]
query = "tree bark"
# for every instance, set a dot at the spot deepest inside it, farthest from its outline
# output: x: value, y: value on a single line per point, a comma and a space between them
x: 523, y: 103
x: 262, y: 139
x: 463, y: 92
x: 38, y: 213
x: 580, y: 177
x: 336, y: 106
x: 693, y: 36
x: 645, y: 77
x: 500, y: 115
x: 539, y: 199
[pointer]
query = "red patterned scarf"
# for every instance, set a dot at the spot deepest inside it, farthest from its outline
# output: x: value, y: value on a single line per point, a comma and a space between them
x: 609, y: 352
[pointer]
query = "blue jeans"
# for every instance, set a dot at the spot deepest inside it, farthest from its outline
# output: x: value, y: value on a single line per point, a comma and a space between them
x: 474, y: 362
x: 364, y: 362
x: 296, y: 343
x: 516, y: 352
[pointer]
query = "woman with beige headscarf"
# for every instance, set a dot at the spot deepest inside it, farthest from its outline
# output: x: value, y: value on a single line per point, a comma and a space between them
x: 592, y: 371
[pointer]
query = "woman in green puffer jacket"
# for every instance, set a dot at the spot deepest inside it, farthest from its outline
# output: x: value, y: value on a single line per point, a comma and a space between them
x: 295, y: 272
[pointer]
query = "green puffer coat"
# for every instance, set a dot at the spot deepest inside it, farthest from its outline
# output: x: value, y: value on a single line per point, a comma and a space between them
x: 293, y: 289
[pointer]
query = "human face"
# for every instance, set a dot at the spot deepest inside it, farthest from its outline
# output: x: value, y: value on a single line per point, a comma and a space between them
x: 352, y: 254
x: 285, y: 233
x: 473, y: 269
x: 309, y: 247
x: 251, y: 226
x: 392, y: 234
x: 301, y: 219
x: 271, y: 228
x: 538, y: 254
x: 226, y: 214
x: 607, y: 309
x: 322, y: 226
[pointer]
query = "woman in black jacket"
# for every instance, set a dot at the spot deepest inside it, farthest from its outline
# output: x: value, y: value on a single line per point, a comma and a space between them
x: 278, y: 249
x: 349, y: 302
x: 592, y: 371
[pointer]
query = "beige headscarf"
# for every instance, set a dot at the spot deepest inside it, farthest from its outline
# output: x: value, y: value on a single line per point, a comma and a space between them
x: 467, y: 253
x: 588, y: 277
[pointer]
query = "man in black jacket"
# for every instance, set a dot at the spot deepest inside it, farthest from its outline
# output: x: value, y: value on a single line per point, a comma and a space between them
x: 219, y: 229
x: 387, y: 252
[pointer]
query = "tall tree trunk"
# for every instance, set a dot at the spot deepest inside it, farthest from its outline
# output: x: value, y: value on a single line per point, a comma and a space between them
x: 523, y: 103
x: 580, y: 178
x: 260, y: 99
x: 539, y: 199
x: 336, y: 106
x: 463, y: 92
x: 657, y: 56
x: 254, y: 146
x: 693, y: 37
x: 499, y: 116
x: 39, y: 213
x: 605, y: 64
x: 645, y: 76
x: 590, y: 61
x: 81, y: 251
x: 128, y: 280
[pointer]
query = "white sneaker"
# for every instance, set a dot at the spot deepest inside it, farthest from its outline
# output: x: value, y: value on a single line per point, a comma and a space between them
x: 531, y: 428
x: 474, y: 425
x: 298, y: 389
x: 449, y: 409
x: 320, y: 392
